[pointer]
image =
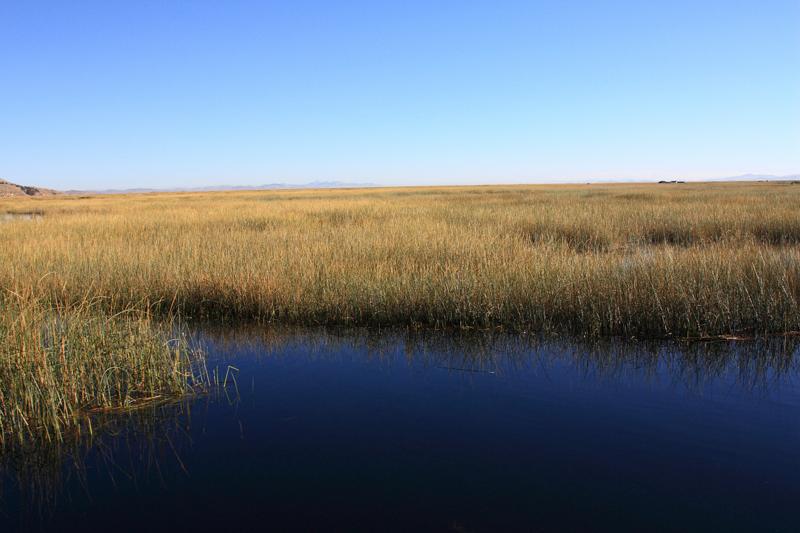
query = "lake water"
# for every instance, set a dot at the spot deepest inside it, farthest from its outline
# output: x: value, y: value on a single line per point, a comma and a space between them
x: 8, y: 217
x: 405, y: 431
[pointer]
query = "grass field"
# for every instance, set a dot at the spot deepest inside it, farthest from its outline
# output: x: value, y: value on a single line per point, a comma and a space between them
x: 81, y: 278
x: 634, y: 260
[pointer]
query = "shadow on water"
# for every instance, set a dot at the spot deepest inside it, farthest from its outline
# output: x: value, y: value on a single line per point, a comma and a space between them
x: 404, y: 429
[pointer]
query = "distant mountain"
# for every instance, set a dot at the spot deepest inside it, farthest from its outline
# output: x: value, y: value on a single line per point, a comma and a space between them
x: 216, y: 188
x: 8, y: 189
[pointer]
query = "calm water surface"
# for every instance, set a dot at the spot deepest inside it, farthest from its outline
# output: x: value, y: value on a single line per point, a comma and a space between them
x: 326, y: 430
x: 8, y: 217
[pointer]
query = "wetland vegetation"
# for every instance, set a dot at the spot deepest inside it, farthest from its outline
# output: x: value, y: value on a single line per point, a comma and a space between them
x: 631, y: 260
x: 62, y: 363
x: 90, y: 286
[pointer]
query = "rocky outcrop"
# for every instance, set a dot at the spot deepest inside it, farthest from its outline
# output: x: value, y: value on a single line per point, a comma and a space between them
x: 8, y: 189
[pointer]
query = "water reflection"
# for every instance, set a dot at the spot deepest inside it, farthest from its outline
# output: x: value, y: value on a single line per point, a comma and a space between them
x: 751, y: 366
x: 119, y: 449
x: 406, y: 429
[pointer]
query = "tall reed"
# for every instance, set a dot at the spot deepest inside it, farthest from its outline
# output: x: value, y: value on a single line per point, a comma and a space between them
x: 60, y: 363
x: 634, y: 260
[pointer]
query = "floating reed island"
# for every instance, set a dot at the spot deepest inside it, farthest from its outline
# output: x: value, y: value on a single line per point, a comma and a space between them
x: 89, y: 286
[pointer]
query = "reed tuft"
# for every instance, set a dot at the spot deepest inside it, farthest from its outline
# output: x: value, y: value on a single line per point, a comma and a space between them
x: 59, y: 364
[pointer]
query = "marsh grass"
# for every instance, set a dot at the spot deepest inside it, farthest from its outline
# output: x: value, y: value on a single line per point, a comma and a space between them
x: 632, y: 260
x: 62, y: 363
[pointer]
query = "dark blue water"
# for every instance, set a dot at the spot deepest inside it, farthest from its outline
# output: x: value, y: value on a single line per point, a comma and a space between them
x: 408, y: 431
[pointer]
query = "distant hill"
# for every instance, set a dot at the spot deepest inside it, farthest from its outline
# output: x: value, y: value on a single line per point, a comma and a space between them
x: 213, y: 188
x: 8, y: 189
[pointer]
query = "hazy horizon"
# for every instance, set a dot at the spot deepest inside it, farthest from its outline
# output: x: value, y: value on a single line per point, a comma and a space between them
x: 183, y: 95
x: 266, y: 184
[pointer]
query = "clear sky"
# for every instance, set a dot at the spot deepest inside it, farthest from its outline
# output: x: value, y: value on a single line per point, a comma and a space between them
x: 129, y: 94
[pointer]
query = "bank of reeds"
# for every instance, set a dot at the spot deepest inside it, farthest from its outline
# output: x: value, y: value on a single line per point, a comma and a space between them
x: 634, y: 260
x: 77, y: 281
x: 60, y: 363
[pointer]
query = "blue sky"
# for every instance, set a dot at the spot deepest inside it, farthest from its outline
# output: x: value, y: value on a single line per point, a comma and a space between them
x: 130, y: 94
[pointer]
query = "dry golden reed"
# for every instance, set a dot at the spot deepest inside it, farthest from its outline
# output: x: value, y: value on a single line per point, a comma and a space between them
x: 634, y: 260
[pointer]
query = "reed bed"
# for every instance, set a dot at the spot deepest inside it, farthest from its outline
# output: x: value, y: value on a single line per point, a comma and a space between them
x: 81, y: 278
x: 59, y: 364
x: 633, y: 260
